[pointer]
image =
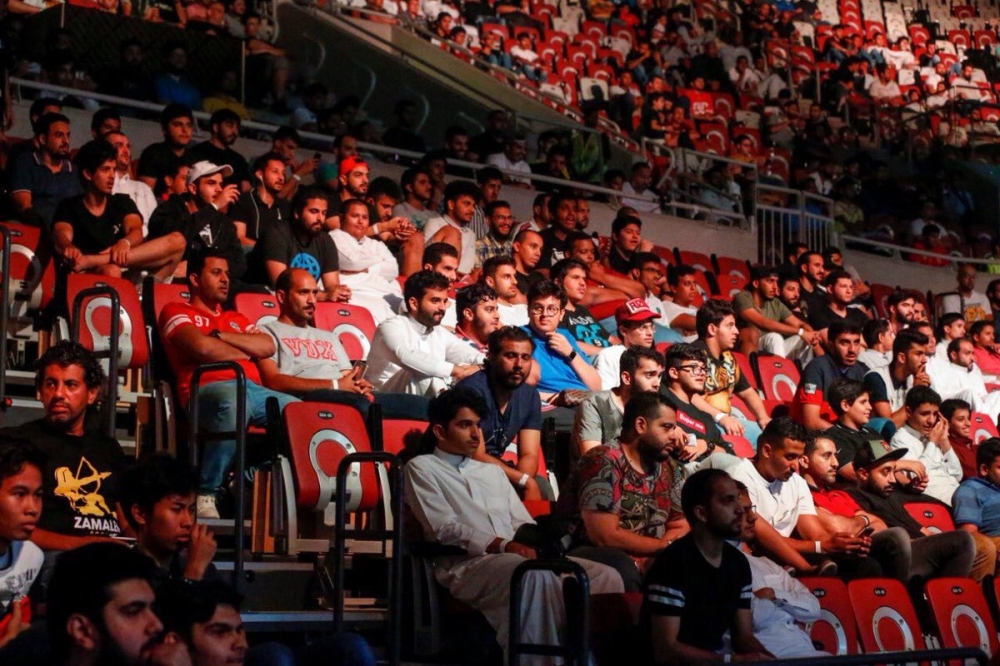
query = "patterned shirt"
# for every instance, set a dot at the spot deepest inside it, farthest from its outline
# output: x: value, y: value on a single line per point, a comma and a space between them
x: 488, y: 247
x: 723, y: 379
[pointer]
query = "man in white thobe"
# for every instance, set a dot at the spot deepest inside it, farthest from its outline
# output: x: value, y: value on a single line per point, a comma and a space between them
x: 370, y: 270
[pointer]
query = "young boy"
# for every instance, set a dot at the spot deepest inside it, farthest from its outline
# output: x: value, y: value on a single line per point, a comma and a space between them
x: 21, y: 469
x: 159, y: 500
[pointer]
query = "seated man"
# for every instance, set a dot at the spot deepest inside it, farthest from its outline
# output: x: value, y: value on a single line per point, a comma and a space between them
x: 768, y: 325
x: 684, y: 379
x: 562, y: 214
x: 626, y: 240
x: 413, y: 353
x: 959, y: 416
x: 635, y: 328
x: 262, y: 207
x: 367, y: 268
x: 972, y: 305
x: 514, y: 411
x: 442, y: 258
x: 471, y: 505
x: 68, y: 380
x: 888, y: 385
x: 21, y: 470
x: 528, y: 245
x: 983, y: 334
x: 571, y: 275
x: 700, y: 586
x: 960, y: 378
x: 500, y: 274
x: 460, y: 197
x: 840, y: 362
x: 648, y: 272
x: 159, y: 500
x: 878, y: 336
x: 308, y: 362
x: 975, y: 502
x: 499, y: 240
x: 950, y: 327
x: 717, y: 335
x: 598, y: 420
x: 924, y: 436
x: 839, y: 296
x: 198, y: 332
x: 40, y: 179
x: 101, y: 232
x: 900, y: 553
x: 622, y: 493
x: 478, y: 314
x: 679, y: 313
x: 560, y: 364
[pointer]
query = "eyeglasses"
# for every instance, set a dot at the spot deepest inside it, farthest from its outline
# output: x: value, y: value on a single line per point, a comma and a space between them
x: 694, y: 369
x: 546, y: 309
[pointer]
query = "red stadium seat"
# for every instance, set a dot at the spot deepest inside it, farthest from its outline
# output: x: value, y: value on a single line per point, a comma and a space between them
x: 594, y: 29
x: 919, y: 34
x: 886, y: 619
x: 724, y: 105
x: 778, y: 377
x: 95, y: 332
x: 961, y: 613
x: 835, y: 631
x: 984, y: 39
x: 983, y: 427
x: 352, y: 324
x: 729, y: 286
x: 696, y: 260
x: 741, y: 445
x: 32, y: 271
x: 752, y: 133
x: 495, y: 28
x: 960, y: 38
x: 258, y: 308
x: 934, y: 517
x: 731, y: 266
x: 400, y: 434
x: 662, y: 347
x: 746, y: 368
x: 880, y: 292
x: 538, y: 508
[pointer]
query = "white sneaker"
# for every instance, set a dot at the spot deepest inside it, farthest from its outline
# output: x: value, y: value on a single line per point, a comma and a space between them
x: 206, y: 507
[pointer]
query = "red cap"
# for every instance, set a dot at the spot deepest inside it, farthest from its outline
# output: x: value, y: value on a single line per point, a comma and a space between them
x: 348, y: 164
x: 633, y: 311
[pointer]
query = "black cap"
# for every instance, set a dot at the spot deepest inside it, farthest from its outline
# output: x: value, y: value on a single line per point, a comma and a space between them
x: 874, y: 452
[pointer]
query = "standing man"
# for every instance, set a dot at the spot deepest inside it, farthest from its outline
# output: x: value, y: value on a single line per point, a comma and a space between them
x: 262, y: 207
x: 972, y: 305
x: 225, y: 127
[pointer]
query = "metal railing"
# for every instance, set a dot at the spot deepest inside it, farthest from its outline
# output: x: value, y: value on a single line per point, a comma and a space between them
x: 784, y: 215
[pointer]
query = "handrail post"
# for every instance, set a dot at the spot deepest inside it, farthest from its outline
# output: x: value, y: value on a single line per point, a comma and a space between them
x: 4, y: 314
x: 577, y: 654
x: 111, y: 400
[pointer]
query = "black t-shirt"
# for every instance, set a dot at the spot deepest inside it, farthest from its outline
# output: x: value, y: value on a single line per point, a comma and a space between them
x: 156, y: 160
x: 316, y: 254
x: 681, y: 583
x: 524, y: 282
x: 848, y: 441
x: 249, y: 210
x: 80, y: 481
x: 891, y: 509
x: 93, y: 234
x: 584, y: 327
x: 618, y: 263
x: 813, y: 301
x: 692, y: 420
x: 206, y: 151
x: 552, y: 250
x: 824, y: 317
x: 207, y: 227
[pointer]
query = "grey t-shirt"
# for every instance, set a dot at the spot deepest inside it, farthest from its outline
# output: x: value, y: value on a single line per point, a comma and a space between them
x: 309, y: 353
x: 599, y: 419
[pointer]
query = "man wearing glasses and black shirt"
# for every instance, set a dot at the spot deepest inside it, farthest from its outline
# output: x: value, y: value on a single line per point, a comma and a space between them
x: 513, y: 410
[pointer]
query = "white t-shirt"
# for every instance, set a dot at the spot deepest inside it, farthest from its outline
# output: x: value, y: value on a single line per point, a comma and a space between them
x: 500, y: 161
x: 21, y: 565
x: 944, y: 471
x: 647, y: 202
x: 888, y: 90
x: 467, y: 260
x: 974, y: 307
x: 778, y: 502
x: 513, y: 315
x: 608, y: 366
x: 672, y: 310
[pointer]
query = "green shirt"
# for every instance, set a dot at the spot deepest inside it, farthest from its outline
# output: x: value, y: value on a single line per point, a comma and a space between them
x: 773, y: 309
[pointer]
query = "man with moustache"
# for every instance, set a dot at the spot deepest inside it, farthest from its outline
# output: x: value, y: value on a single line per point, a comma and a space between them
x: 225, y: 127
x: 262, y: 207
x: 888, y: 385
x: 477, y: 314
x: 513, y: 411
x: 498, y: 241
x: 840, y: 362
x: 39, y: 180
x: 899, y: 305
x: 768, y: 325
x: 413, y: 353
x: 500, y: 274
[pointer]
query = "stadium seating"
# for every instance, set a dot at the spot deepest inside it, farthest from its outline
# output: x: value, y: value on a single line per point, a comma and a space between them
x: 934, y: 517
x: 835, y: 631
x: 983, y: 427
x: 258, y: 308
x: 886, y: 619
x: 777, y: 377
x: 353, y: 325
x: 961, y: 613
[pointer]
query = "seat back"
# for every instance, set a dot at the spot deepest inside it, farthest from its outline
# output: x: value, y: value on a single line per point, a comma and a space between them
x: 747, y: 369
x: 32, y: 272
x: 880, y: 292
x: 983, y: 427
x: 961, y: 614
x: 728, y: 285
x: 319, y: 436
x: 835, y: 631
x: 696, y: 260
x: 934, y: 517
x: 777, y: 377
x: 401, y: 434
x: 741, y: 445
x: 258, y: 308
x: 96, y: 315
x: 352, y: 324
x: 731, y: 266
x: 886, y: 619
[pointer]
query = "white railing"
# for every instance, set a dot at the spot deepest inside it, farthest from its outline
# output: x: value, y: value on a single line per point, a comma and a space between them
x: 784, y: 215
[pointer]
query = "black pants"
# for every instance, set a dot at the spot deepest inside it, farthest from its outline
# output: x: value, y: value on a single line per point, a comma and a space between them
x: 616, y: 559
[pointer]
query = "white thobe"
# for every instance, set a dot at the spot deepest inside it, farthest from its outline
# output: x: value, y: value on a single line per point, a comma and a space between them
x: 951, y: 380
x: 369, y: 269
x: 465, y: 503
x: 774, y: 622
x: 944, y: 471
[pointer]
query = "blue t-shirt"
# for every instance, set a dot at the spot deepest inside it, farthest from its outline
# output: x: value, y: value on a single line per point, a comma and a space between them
x: 977, y: 502
x: 557, y: 374
x: 47, y: 188
x: 524, y: 412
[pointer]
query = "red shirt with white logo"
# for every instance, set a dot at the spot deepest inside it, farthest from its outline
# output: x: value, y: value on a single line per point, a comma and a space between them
x: 176, y: 316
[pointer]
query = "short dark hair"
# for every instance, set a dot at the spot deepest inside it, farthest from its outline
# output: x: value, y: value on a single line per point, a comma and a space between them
x: 173, y: 111
x: 158, y: 476
x: 759, y: 272
x: 410, y: 176
x: 844, y: 390
x: 182, y: 604
x: 873, y: 330
x: 947, y: 321
x: 471, y: 296
x: 952, y: 405
x: 804, y: 258
x: 260, y: 164
x: 699, y: 489
x: 446, y: 405
x: 623, y: 221
x: 842, y: 327
x: 922, y: 395
x: 224, y: 115
x: 487, y: 174
x: 285, y: 132
x: 507, y: 334
x: 544, y: 289
x: 896, y: 297
x: 906, y: 340
x: 421, y: 282
x: 573, y: 238
x: 35, y: 112
x: 461, y: 188
x: 640, y: 259
x: 711, y: 313
x: 562, y: 268
x: 304, y: 196
x: 836, y: 275
x: 15, y: 455
x: 778, y: 429
x: 46, y: 122
x: 102, y: 114
x: 675, y: 273
x: 383, y: 186
x: 955, y: 346
x: 66, y: 353
x: 491, y: 265
x: 987, y: 452
x: 646, y: 405
x: 92, y: 155
x: 434, y: 252
x: 977, y: 327
x: 556, y: 200
x: 196, y: 264
x: 491, y: 208
x: 684, y: 351
x: 81, y: 583
x: 631, y: 357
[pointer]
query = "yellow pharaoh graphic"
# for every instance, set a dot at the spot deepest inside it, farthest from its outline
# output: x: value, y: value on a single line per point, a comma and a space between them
x: 83, y: 489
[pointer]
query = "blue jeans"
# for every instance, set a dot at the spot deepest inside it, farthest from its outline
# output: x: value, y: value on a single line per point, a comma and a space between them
x: 751, y: 429
x: 217, y: 413
x: 340, y: 649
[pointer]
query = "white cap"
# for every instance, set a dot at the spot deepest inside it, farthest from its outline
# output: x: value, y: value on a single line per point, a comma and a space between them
x: 206, y: 168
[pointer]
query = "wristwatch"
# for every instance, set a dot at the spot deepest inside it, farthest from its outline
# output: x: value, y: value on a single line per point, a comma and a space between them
x: 569, y: 359
x: 523, y: 481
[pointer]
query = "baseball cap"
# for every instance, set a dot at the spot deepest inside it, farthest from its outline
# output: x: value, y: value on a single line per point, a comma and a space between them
x: 206, y: 168
x: 874, y: 452
x: 348, y: 164
x: 633, y: 311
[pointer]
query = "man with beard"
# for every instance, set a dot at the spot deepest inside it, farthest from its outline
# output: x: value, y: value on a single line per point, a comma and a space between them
x: 301, y: 243
x: 262, y: 207
x: 960, y: 378
x: 500, y: 274
x: 790, y: 290
x: 139, y: 192
x: 899, y: 305
x: 39, y: 180
x: 983, y: 334
x: 417, y: 192
x: 622, y: 494
x: 888, y: 385
x: 413, y: 353
x: 80, y: 493
x: 840, y: 362
x: 285, y: 142
x: 769, y: 326
x: 700, y: 587
x: 100, y: 611
x: 498, y: 241
x: 460, y: 197
x: 198, y: 332
x: 477, y: 315
x: 177, y: 123
x: 527, y: 247
x: 635, y: 328
x: 812, y: 273
x: 513, y: 411
x: 839, y: 295
x: 490, y: 181
x: 225, y: 127
x: 353, y: 179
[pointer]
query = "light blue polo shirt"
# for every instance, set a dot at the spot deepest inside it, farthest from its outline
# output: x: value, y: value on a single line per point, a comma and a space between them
x: 977, y: 502
x: 556, y: 372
